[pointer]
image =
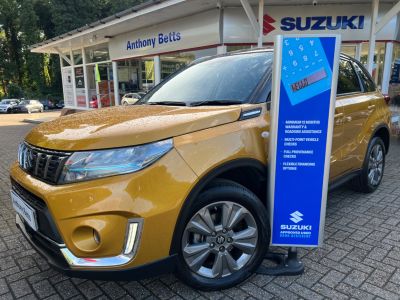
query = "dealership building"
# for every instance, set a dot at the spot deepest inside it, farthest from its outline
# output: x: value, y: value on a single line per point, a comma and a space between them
x: 138, y: 48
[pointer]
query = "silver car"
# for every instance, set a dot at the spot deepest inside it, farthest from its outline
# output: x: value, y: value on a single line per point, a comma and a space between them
x: 131, y: 98
x: 29, y: 106
x: 7, y: 105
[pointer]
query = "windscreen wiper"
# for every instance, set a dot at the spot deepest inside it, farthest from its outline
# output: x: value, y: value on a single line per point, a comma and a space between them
x: 173, y: 103
x: 215, y: 102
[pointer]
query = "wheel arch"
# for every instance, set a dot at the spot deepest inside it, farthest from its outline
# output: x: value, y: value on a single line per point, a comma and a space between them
x: 383, y: 132
x: 250, y: 166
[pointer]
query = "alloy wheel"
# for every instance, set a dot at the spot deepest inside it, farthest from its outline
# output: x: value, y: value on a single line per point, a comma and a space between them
x: 219, y: 240
x: 375, y: 165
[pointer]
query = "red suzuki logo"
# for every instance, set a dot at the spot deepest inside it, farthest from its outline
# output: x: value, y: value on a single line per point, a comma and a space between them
x: 267, y: 24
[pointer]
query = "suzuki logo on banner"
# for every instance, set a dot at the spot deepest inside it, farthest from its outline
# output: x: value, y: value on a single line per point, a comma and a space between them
x: 296, y: 217
x: 314, y: 23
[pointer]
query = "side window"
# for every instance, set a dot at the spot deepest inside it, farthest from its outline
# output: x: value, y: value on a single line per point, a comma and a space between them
x: 369, y: 85
x: 348, y: 81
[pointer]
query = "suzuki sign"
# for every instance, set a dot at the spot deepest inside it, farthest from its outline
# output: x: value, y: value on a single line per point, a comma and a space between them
x: 322, y: 23
x: 352, y: 22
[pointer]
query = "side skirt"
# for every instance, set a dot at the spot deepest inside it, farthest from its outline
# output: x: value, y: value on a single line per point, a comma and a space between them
x: 343, y: 179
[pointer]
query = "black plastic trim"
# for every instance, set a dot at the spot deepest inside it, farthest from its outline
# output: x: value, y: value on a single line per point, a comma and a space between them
x: 57, y: 261
x: 237, y: 163
x: 379, y: 127
x: 343, y: 179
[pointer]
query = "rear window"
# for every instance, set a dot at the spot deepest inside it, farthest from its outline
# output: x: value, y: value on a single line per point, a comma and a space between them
x: 369, y: 85
x: 348, y: 81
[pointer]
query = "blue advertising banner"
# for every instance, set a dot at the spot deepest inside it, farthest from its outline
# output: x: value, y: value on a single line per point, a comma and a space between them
x: 304, y: 92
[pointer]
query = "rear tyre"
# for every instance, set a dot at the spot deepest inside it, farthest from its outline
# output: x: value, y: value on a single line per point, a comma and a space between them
x: 374, y: 165
x: 225, y: 238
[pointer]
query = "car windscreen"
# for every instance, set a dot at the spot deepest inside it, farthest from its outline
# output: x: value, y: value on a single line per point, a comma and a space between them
x: 24, y: 102
x: 225, y: 78
x: 5, y: 102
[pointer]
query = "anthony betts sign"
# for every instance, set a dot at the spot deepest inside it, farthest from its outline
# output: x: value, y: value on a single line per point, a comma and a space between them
x: 304, y: 92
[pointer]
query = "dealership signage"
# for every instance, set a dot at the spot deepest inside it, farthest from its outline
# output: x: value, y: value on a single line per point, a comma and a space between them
x: 154, y: 41
x: 304, y: 92
x: 68, y: 86
x: 352, y: 22
x: 322, y: 23
x: 185, y: 33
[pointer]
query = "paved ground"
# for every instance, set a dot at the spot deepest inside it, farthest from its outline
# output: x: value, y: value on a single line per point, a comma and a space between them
x: 15, y: 119
x: 360, y: 258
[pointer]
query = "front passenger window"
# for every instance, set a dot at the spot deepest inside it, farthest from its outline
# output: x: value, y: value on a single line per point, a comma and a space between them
x: 348, y: 81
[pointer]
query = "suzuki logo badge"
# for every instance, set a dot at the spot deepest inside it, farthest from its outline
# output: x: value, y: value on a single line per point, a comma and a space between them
x: 296, y: 217
x: 267, y: 24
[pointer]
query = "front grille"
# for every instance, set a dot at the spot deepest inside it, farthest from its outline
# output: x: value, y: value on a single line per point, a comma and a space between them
x: 41, y: 163
x: 46, y: 224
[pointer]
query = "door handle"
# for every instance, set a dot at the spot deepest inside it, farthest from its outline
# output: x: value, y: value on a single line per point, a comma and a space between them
x: 265, y: 134
x: 370, y: 107
x: 339, y: 115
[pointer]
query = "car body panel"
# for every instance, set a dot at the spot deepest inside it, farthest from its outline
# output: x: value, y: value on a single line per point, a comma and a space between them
x: 127, y: 126
x: 106, y: 204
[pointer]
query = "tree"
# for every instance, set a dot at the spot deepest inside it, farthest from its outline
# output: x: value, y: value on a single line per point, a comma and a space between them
x: 34, y: 79
x: 27, y: 22
x: 9, y: 20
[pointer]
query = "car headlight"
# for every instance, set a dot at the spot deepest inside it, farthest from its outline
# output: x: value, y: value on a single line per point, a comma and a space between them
x: 87, y: 165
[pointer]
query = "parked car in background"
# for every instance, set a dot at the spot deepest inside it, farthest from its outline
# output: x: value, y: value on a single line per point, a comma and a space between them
x: 29, y: 106
x: 7, y: 105
x: 48, y: 104
x: 60, y: 104
x: 131, y: 98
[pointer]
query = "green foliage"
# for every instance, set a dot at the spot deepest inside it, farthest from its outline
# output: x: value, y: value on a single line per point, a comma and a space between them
x: 27, y: 22
x: 14, y: 91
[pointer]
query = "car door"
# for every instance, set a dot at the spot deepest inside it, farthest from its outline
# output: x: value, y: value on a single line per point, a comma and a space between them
x: 356, y: 109
x: 336, y: 167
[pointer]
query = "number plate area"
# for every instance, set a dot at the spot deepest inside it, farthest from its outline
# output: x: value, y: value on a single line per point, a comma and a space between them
x: 24, y: 210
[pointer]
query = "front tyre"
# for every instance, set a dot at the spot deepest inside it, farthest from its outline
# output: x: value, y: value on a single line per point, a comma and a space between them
x: 374, y: 165
x: 225, y: 238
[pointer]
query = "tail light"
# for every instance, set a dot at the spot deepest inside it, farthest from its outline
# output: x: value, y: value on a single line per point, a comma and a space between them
x: 387, y: 99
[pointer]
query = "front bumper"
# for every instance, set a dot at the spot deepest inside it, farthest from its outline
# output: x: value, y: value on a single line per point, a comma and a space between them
x: 154, y: 195
x: 51, y: 251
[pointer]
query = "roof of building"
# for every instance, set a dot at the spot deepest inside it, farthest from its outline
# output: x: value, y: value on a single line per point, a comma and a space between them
x: 147, y: 14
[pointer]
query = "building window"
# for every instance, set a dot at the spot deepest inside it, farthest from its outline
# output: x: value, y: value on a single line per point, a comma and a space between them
x: 170, y: 63
x: 77, y: 55
x: 64, y: 62
x: 97, y: 53
x: 350, y: 50
x: 379, y: 59
x: 135, y: 75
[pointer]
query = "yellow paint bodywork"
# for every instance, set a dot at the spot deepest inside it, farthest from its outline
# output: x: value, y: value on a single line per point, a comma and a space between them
x: 204, y: 138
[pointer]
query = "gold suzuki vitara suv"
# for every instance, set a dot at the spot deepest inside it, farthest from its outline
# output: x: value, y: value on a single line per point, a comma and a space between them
x: 177, y: 183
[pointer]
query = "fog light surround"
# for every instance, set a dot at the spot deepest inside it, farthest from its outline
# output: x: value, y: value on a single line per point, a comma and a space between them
x: 131, y: 244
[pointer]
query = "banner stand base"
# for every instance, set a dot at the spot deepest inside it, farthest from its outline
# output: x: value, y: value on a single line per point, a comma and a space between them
x: 287, y: 264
